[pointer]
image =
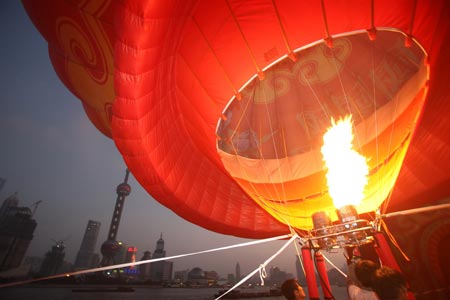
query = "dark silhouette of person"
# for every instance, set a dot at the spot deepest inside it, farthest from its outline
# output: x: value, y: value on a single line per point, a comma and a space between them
x: 291, y: 290
x: 360, y: 280
x: 390, y: 284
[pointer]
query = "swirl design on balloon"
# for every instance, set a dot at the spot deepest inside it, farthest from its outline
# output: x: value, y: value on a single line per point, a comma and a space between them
x: 88, y: 60
x: 322, y: 64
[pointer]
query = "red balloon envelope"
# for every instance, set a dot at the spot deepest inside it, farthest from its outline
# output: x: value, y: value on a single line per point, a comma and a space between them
x: 219, y: 106
x: 180, y: 69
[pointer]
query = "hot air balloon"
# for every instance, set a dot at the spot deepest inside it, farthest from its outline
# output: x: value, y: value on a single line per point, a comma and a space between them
x: 219, y: 107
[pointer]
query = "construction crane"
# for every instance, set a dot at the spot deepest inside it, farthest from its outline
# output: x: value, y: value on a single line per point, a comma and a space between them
x: 34, y: 206
x: 60, y: 242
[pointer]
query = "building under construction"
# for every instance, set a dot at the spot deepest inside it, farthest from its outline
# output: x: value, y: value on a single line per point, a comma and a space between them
x: 16, y: 232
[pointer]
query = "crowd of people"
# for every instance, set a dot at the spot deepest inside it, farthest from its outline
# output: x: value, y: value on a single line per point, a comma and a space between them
x: 365, y: 281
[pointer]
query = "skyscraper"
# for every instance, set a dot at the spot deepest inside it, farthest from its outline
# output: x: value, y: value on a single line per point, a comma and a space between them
x: 10, y: 202
x: 16, y: 232
x: 85, y: 256
x: 160, y: 270
x: 144, y: 269
x: 54, y: 260
x: 238, y: 272
x: 167, y: 271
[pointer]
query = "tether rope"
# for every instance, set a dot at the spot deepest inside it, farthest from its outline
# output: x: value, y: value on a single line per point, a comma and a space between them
x: 261, y: 268
x: 334, y: 266
x: 119, y: 266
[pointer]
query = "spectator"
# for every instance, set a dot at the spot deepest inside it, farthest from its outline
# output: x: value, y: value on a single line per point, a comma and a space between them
x: 359, y: 280
x: 291, y: 290
x: 389, y: 284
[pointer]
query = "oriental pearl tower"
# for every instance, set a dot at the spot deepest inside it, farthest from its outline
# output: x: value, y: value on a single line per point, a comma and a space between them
x: 111, y: 247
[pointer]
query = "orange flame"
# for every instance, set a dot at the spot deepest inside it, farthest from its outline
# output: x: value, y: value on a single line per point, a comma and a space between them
x: 347, y: 169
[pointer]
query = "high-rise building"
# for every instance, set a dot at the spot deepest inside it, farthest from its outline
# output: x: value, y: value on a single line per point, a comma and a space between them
x: 85, y: 256
x: 144, y: 269
x: 160, y: 270
x: 54, y: 260
x: 238, y: 272
x: 10, y: 202
x: 16, y: 232
x: 167, y: 271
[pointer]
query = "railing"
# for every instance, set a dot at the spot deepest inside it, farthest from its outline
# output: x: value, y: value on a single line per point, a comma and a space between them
x: 348, y: 234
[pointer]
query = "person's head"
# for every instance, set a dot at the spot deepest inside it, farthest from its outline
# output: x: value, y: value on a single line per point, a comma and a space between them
x: 364, y: 271
x: 389, y: 284
x: 291, y: 290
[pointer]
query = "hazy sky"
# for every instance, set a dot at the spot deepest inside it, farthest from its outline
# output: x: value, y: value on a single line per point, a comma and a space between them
x: 51, y: 152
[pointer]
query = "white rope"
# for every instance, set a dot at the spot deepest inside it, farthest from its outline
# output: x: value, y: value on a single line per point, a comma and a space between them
x: 262, y: 274
x: 334, y: 266
x: 119, y: 266
x: 261, y: 267
x: 415, y: 210
x: 299, y: 257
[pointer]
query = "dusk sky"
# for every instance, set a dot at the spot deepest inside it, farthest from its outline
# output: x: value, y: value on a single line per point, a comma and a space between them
x: 50, y: 151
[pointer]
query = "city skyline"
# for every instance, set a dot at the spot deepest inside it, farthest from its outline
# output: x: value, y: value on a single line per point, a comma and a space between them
x: 52, y: 153
x: 184, y: 263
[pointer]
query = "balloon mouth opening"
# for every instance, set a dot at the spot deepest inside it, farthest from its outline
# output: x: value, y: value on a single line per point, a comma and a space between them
x: 270, y: 138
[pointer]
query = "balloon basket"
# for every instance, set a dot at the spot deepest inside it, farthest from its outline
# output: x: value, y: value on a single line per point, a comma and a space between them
x: 349, y: 232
